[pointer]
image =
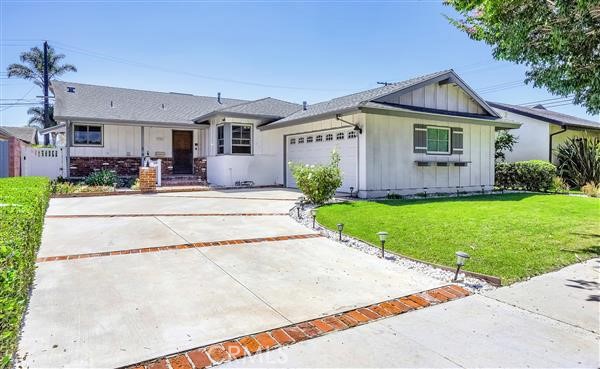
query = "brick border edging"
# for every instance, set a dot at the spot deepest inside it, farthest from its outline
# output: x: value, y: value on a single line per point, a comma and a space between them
x: 175, y: 247
x: 159, y: 190
x: 141, y: 215
x: 244, y: 346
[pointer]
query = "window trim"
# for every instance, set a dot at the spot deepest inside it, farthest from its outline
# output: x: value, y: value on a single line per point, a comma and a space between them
x: 221, y: 126
x: 251, y: 144
x: 449, y: 141
x: 87, y: 125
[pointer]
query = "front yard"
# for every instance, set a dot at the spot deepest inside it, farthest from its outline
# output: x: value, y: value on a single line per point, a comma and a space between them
x: 512, y: 236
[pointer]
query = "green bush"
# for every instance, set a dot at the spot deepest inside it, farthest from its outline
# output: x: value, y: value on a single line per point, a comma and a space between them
x: 318, y: 182
x: 531, y: 175
x: 102, y: 178
x: 559, y: 185
x: 23, y: 204
x: 579, y: 160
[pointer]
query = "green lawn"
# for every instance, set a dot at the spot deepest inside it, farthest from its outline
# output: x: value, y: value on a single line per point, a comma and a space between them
x: 511, y: 236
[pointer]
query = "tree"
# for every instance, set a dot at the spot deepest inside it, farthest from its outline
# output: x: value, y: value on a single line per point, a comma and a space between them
x: 37, y: 116
x: 556, y: 39
x: 504, y: 142
x: 33, y: 69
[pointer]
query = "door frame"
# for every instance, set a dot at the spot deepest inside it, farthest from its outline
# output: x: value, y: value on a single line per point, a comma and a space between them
x: 191, y: 163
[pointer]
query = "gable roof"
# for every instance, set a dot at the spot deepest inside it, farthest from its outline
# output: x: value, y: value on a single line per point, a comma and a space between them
x: 268, y: 107
x: 543, y: 114
x: 364, y: 98
x: 25, y: 134
x: 91, y: 102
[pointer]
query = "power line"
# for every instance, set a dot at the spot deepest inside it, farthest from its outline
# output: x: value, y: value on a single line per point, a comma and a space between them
x: 547, y: 100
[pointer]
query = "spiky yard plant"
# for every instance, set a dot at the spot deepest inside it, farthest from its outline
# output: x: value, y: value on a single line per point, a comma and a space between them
x: 579, y: 160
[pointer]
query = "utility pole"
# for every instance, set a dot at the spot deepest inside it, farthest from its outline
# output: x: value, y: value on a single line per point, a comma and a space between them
x: 46, y: 82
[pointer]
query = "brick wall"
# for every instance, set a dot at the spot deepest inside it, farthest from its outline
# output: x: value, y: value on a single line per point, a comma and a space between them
x: 14, y: 157
x: 200, y: 168
x: 126, y: 166
x: 147, y: 179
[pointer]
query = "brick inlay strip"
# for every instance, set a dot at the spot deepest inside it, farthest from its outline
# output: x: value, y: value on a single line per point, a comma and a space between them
x: 176, y: 247
x: 166, y: 215
x: 225, y: 351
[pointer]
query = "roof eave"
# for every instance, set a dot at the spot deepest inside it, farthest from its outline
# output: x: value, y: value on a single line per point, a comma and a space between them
x: 125, y: 122
x: 293, y: 122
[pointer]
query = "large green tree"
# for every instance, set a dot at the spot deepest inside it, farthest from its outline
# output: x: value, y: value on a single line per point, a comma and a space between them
x: 558, y: 40
x: 32, y: 68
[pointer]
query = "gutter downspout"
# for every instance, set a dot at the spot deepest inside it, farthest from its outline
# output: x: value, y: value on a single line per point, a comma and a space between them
x: 564, y: 129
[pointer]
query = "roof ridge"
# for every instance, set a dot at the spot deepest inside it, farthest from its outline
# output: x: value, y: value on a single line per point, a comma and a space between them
x: 541, y: 111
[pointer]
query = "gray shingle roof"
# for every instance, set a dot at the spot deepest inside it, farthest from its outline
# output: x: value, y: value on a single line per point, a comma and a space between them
x: 94, y: 103
x: 267, y: 107
x: 25, y: 134
x: 356, y: 100
x: 547, y: 115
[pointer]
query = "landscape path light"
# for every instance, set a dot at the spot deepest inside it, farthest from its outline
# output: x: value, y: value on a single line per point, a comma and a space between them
x: 351, y: 191
x: 340, y: 228
x: 313, y: 213
x: 461, y: 259
x: 382, y: 238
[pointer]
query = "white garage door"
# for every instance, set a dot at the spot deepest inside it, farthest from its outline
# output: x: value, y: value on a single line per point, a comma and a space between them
x: 316, y: 148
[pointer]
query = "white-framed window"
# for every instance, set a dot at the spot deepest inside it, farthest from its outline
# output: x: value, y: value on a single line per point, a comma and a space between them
x: 319, y: 138
x: 329, y: 137
x: 221, y: 139
x: 340, y: 136
x: 87, y: 135
x: 300, y: 140
x: 292, y: 141
x: 438, y: 140
x: 309, y: 139
x: 241, y: 139
x: 351, y: 134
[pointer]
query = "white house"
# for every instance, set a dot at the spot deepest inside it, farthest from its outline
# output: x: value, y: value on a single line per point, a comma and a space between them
x: 542, y: 130
x: 430, y: 132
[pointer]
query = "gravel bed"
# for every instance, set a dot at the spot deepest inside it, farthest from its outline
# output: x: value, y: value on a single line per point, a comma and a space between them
x: 472, y: 284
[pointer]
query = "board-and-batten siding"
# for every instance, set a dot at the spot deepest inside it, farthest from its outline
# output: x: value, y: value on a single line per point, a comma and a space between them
x: 125, y: 141
x: 447, y: 97
x: 391, y: 161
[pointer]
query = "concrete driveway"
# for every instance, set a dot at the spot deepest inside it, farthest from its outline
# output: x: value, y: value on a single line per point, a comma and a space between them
x: 550, y: 321
x: 122, y: 279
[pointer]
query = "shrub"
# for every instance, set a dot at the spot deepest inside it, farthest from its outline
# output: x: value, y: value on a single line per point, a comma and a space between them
x: 579, y: 160
x: 24, y: 201
x: 591, y: 189
x: 318, y: 182
x: 559, y: 185
x: 535, y: 175
x: 62, y: 187
x: 102, y: 178
x: 531, y: 175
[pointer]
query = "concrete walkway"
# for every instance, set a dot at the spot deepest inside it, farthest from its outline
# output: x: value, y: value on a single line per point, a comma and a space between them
x: 549, y: 321
x: 120, y: 309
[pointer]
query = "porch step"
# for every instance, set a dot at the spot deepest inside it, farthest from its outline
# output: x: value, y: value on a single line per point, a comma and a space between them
x: 182, y: 180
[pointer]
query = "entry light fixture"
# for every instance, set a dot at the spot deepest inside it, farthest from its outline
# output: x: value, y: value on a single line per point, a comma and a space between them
x: 313, y: 214
x: 461, y: 259
x: 382, y: 237
x: 340, y: 228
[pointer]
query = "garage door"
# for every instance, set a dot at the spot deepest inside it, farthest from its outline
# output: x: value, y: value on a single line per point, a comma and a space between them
x: 316, y: 148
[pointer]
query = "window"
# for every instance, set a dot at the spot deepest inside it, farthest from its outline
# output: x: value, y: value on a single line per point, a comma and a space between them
x: 319, y: 138
x: 438, y: 140
x: 329, y: 137
x: 87, y: 135
x: 309, y: 139
x: 292, y: 141
x: 241, y: 139
x: 300, y: 140
x: 221, y: 139
x: 351, y: 134
x: 340, y: 136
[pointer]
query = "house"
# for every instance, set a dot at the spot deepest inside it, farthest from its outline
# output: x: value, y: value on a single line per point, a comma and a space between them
x: 53, y: 136
x: 430, y: 133
x: 542, y: 130
x: 12, y: 142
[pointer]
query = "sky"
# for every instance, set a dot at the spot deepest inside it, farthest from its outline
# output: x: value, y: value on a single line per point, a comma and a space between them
x: 293, y: 50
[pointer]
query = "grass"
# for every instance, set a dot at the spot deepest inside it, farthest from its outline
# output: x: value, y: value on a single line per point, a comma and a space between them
x: 512, y: 236
x: 23, y: 203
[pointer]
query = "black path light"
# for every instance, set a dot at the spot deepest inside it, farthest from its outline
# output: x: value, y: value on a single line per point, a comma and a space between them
x: 461, y: 259
x: 483, y: 189
x: 382, y: 238
x: 313, y: 214
x: 340, y: 228
x: 351, y: 190
x: 300, y: 205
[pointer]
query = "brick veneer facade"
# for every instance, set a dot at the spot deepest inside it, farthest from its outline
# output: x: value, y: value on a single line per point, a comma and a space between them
x: 147, y: 179
x: 14, y: 157
x: 81, y: 166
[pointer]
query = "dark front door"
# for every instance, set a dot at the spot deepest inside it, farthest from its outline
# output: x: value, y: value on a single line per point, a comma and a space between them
x: 183, y: 154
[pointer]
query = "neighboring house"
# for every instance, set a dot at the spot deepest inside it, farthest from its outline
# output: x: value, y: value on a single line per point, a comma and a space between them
x: 12, y: 142
x: 53, y: 136
x: 430, y: 132
x: 542, y: 130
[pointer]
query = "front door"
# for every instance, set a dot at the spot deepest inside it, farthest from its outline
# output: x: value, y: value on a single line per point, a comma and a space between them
x: 183, y: 152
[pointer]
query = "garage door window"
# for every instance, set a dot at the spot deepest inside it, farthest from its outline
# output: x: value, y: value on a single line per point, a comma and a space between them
x: 329, y: 137
x: 301, y: 140
x: 351, y: 134
x: 339, y: 136
x: 309, y: 139
x: 319, y: 138
x: 292, y: 141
